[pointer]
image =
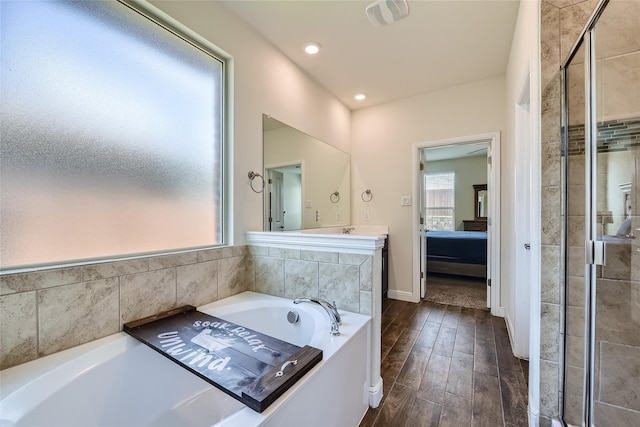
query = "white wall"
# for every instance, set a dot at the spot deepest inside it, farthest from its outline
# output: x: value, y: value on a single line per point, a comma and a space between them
x: 265, y: 81
x: 382, y: 139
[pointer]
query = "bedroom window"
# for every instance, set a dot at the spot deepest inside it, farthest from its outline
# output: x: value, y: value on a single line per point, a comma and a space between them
x: 440, y: 200
x: 111, y: 135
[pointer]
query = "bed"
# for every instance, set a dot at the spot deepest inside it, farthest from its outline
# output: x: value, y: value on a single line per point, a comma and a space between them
x: 462, y: 253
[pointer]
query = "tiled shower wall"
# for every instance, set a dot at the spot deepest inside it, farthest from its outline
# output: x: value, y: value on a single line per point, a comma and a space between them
x: 345, y: 278
x: 561, y: 22
x: 48, y: 311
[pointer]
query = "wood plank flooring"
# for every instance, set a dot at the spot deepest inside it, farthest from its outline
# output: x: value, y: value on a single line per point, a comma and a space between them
x: 444, y: 365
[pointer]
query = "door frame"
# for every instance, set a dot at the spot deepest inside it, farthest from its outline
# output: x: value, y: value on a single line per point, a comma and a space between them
x: 493, y: 225
x: 265, y: 198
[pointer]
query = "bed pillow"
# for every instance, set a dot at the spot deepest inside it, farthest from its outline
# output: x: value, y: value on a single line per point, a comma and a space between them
x: 625, y: 228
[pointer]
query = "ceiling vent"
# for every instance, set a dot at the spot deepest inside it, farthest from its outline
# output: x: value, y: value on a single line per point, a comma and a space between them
x: 383, y: 12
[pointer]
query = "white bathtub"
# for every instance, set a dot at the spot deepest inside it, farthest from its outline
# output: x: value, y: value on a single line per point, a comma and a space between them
x: 117, y: 381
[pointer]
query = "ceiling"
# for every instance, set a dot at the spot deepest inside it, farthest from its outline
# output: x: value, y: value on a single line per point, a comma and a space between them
x: 457, y: 151
x: 442, y: 43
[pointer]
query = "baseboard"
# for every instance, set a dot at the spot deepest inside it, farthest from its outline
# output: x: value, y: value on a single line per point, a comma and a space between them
x: 375, y: 394
x: 402, y: 296
x: 518, y: 352
x: 510, y: 330
x: 534, y: 415
x: 498, y: 311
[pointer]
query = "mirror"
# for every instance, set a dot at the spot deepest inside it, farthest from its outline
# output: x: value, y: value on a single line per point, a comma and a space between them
x: 307, y: 182
x: 481, y: 201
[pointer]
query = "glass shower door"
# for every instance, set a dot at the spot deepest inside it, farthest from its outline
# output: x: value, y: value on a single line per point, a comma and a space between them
x: 601, y: 127
x: 574, y: 246
x: 616, y: 371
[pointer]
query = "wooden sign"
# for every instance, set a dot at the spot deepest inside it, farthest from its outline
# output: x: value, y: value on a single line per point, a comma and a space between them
x: 249, y: 366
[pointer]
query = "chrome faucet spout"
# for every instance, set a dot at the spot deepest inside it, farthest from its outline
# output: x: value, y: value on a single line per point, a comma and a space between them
x: 331, y: 310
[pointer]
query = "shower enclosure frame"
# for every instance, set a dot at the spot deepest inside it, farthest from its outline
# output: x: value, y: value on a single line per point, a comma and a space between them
x: 586, y: 40
x: 594, y: 248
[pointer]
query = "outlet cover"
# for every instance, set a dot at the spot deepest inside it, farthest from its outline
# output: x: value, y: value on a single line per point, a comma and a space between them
x: 405, y: 200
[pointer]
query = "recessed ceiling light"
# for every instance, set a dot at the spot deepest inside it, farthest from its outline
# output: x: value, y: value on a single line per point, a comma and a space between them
x: 360, y: 96
x: 312, y: 48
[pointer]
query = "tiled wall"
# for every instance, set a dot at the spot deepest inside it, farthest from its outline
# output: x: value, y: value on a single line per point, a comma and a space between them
x: 617, y: 358
x: 51, y: 310
x: 345, y: 278
x: 613, y: 136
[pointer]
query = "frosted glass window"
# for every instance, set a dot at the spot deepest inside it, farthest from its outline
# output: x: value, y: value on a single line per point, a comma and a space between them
x: 440, y: 200
x: 111, y: 135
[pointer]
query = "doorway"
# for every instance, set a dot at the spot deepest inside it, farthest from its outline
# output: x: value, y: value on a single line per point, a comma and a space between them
x: 480, y: 211
x: 283, y: 199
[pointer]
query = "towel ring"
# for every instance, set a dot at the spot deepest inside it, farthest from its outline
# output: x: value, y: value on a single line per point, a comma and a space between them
x: 252, y: 176
x: 334, y: 197
x: 366, y: 196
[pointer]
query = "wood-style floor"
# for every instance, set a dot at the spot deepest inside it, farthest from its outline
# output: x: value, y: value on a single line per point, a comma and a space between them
x: 444, y: 365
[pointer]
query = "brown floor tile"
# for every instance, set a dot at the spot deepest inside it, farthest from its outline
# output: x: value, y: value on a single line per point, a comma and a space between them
x: 395, y: 410
x: 369, y: 418
x: 456, y: 411
x: 434, y: 380
x: 460, y: 380
x: 465, y: 339
x: 451, y: 317
x: 448, y: 366
x: 485, y: 356
x: 487, y: 409
x: 424, y: 414
x: 513, y: 384
x: 419, y: 318
x: 428, y: 335
x: 445, y: 341
x: 414, y: 367
x: 437, y: 312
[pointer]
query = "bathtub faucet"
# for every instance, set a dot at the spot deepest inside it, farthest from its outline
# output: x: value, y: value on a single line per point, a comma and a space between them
x: 331, y: 310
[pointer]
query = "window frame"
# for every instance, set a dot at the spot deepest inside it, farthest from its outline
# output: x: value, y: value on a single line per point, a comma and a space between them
x: 453, y: 197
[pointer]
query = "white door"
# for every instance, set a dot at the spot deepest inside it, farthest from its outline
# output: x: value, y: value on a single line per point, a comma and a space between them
x: 523, y: 271
x: 275, y: 211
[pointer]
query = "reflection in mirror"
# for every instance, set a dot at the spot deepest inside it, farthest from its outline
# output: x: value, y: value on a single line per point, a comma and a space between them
x: 481, y: 201
x: 303, y: 175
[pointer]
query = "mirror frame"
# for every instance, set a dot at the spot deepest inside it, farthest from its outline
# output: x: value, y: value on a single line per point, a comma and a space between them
x: 477, y: 188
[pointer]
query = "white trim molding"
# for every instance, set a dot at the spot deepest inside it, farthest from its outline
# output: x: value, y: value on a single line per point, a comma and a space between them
x: 317, y: 241
x: 401, y: 295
